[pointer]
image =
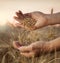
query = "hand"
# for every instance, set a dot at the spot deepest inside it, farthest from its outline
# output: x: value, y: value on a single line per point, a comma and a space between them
x: 34, y: 49
x: 40, y: 18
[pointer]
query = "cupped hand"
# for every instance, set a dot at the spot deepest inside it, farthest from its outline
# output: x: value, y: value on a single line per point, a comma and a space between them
x: 40, y: 18
x: 34, y: 49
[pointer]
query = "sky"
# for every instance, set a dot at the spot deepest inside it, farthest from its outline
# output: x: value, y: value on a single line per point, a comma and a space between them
x: 9, y: 7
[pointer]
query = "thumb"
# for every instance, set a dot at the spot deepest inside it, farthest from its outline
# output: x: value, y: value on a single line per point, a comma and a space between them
x: 39, y: 24
x: 22, y: 48
x: 16, y: 44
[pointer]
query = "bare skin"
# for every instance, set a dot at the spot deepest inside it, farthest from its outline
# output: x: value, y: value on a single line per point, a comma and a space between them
x: 41, y: 21
x: 36, y: 48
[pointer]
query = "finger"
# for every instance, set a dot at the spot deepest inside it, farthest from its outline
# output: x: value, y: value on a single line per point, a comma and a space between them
x: 19, y: 15
x: 37, y: 25
x: 20, y: 12
x: 14, y: 23
x: 25, y: 49
x: 16, y: 18
x: 28, y: 54
x: 19, y: 25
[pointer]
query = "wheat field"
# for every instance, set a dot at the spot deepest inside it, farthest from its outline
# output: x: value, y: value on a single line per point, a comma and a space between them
x: 8, y: 34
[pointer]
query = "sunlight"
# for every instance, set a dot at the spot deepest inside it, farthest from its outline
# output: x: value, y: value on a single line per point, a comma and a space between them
x: 3, y: 19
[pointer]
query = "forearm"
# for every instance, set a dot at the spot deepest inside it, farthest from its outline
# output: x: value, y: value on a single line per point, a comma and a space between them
x: 53, y: 19
x: 53, y: 45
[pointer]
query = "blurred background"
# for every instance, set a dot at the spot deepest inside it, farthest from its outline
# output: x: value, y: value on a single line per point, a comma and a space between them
x: 9, y: 7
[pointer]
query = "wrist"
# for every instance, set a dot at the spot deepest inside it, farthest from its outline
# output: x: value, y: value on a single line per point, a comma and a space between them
x: 49, y: 21
x: 53, y: 19
x: 48, y: 47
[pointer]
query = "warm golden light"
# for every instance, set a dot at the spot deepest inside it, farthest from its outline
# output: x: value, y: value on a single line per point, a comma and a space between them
x: 3, y: 19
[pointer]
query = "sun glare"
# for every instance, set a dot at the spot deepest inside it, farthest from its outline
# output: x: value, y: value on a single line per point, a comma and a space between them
x: 3, y: 19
